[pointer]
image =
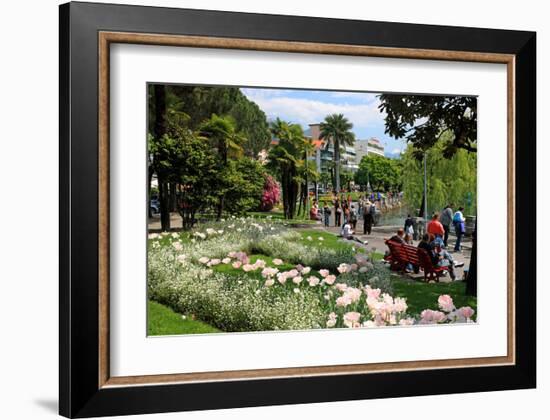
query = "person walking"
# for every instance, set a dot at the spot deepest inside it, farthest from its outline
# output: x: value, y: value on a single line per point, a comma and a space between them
x: 368, y: 219
x: 458, y: 222
x: 409, y: 225
x: 337, y: 212
x: 353, y: 217
x: 446, y: 220
x: 435, y: 228
x: 345, y: 209
x: 326, y: 214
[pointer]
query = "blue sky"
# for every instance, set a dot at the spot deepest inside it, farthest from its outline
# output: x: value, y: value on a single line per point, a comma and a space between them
x: 311, y: 106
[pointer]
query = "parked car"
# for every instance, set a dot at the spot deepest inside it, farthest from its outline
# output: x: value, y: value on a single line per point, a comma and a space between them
x: 154, y: 206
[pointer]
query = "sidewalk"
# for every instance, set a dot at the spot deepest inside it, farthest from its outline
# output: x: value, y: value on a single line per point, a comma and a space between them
x: 375, y: 242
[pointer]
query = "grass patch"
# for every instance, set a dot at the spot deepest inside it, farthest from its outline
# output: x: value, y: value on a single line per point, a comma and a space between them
x: 278, y: 216
x: 422, y: 295
x: 162, y: 320
x: 310, y: 237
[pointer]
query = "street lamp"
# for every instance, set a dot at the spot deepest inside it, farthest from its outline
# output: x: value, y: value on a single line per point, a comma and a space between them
x: 425, y: 190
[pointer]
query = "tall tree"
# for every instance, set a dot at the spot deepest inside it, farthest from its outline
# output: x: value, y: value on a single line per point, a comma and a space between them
x: 200, y: 102
x: 159, y: 131
x: 422, y: 120
x: 336, y: 130
x: 226, y: 140
x: 284, y: 159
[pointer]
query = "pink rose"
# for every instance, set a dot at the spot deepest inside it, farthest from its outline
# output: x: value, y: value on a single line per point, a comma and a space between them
x: 343, y: 268
x: 330, y: 279
x: 313, y: 281
x: 466, y: 312
x: 324, y: 273
x: 406, y: 321
x: 353, y: 293
x: 372, y: 293
x: 431, y: 317
x: 297, y: 279
x: 446, y: 303
x: 351, y: 319
x: 341, y: 286
x: 343, y: 300
x: 282, y: 277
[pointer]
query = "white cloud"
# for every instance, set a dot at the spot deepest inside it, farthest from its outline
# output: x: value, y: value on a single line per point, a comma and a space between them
x: 356, y: 96
x: 309, y: 111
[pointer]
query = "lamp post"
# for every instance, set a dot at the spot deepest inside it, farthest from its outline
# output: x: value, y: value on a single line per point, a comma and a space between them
x: 425, y: 190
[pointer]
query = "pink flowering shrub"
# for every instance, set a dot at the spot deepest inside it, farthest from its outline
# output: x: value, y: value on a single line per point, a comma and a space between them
x: 271, y: 194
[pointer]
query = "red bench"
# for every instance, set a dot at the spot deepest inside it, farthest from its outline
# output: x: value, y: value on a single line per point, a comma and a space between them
x: 401, y: 255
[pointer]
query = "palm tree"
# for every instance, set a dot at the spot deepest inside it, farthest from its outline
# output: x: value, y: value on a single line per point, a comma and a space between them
x: 336, y: 129
x: 222, y: 133
x: 307, y: 146
x: 284, y: 158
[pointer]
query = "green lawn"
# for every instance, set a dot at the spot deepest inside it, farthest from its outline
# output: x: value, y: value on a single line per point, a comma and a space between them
x: 164, y: 321
x: 422, y: 295
x: 330, y: 240
x: 277, y: 215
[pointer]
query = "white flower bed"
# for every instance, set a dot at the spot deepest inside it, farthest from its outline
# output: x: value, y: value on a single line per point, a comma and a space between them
x: 325, y: 288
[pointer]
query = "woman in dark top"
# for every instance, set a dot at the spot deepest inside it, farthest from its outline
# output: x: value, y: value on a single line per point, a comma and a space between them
x: 337, y: 212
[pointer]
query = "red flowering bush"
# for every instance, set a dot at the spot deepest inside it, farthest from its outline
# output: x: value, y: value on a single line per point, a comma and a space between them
x: 271, y: 194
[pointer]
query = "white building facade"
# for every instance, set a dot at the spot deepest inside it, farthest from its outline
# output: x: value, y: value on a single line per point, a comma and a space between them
x: 371, y: 146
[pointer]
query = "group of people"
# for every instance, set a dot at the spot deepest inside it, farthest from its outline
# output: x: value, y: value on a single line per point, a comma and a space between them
x: 346, y: 214
x: 436, y: 238
x: 440, y: 226
x: 433, y: 247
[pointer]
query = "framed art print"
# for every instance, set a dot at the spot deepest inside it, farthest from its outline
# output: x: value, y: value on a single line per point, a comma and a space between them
x: 281, y: 209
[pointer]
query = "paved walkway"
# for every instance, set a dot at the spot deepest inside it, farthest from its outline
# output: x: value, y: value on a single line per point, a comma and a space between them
x: 375, y: 242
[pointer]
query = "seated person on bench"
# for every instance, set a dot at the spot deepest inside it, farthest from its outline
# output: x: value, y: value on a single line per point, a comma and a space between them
x: 399, y: 237
x: 438, y: 256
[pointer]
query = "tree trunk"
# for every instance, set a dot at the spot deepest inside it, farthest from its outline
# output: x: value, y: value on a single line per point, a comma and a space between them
x: 164, y: 204
x: 301, y: 194
x: 471, y: 278
x: 306, y: 184
x: 220, y: 207
x: 150, y: 179
x: 173, y: 195
x: 421, y: 208
x: 160, y: 130
x: 337, y: 165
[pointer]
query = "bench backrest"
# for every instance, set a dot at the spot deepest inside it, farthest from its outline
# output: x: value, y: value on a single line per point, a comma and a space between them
x: 425, y: 259
x: 409, y: 254
x: 396, y: 250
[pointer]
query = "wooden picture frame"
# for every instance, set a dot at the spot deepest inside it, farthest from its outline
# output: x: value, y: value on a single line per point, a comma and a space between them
x: 86, y: 32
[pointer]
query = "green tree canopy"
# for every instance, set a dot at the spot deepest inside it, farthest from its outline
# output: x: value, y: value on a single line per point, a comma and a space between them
x: 422, y: 120
x: 383, y: 174
x: 451, y: 180
x: 200, y: 102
